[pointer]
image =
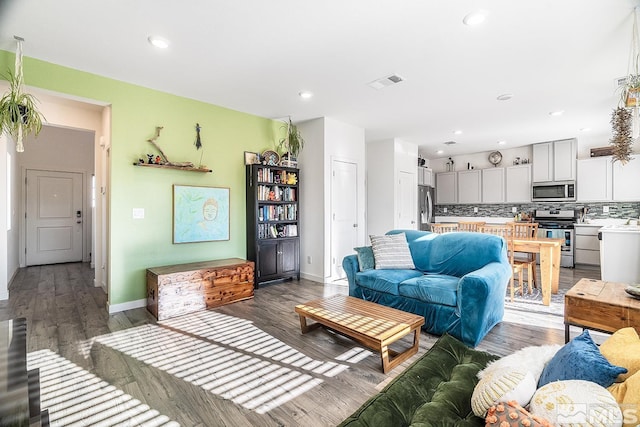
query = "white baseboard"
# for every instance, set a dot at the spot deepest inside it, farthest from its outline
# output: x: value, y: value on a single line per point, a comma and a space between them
x: 130, y: 305
x: 312, y: 277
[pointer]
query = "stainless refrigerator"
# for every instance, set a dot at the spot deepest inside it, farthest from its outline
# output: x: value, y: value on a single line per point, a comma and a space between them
x: 426, y: 200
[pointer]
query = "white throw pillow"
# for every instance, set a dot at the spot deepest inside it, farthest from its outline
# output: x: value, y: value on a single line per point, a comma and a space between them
x: 533, y: 358
x: 391, y: 252
x: 576, y: 403
x: 502, y: 384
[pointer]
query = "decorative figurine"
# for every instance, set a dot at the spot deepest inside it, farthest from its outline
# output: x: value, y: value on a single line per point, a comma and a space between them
x: 198, y: 142
x: 150, y: 157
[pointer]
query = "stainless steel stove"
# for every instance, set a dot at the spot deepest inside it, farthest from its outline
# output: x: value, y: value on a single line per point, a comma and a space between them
x: 558, y: 224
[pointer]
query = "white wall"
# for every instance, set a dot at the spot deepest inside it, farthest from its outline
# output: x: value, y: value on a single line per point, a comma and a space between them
x: 380, y: 186
x: 312, y: 189
x: 481, y: 160
x: 385, y: 160
x: 344, y: 142
x: 326, y: 140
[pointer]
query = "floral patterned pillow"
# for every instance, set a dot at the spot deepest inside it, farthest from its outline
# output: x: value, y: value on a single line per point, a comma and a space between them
x: 504, y: 414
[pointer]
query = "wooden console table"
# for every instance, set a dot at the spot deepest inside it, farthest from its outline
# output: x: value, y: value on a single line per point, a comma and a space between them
x: 602, y: 306
x: 174, y: 290
x: 372, y: 325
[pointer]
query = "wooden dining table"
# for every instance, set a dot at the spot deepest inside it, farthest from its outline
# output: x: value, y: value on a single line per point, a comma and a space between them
x: 549, y: 250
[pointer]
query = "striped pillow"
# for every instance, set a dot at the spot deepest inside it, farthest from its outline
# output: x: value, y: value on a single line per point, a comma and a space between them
x: 391, y: 252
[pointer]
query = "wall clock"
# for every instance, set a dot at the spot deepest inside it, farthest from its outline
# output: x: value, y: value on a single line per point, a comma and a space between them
x: 495, y: 158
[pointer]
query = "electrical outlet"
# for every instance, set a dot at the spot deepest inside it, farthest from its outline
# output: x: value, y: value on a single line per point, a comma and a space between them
x: 514, y: 210
x: 445, y: 210
x: 138, y: 213
x: 475, y: 210
x: 605, y: 209
x: 308, y: 259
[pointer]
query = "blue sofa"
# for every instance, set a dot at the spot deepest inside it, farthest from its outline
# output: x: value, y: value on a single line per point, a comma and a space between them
x: 458, y: 285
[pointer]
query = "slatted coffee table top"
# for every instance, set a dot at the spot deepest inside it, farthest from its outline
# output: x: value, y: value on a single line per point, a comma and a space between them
x: 364, y: 317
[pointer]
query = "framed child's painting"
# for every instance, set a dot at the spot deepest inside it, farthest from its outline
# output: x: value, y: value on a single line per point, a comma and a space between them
x: 200, y: 214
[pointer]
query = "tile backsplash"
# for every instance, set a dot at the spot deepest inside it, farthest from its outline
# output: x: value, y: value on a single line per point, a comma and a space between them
x: 616, y: 209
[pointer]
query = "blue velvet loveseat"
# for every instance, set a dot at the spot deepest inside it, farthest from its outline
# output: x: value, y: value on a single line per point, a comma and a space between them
x: 458, y: 284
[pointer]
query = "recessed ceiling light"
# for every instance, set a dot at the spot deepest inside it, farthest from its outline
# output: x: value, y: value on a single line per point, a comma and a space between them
x: 159, y: 42
x: 440, y: 152
x: 505, y: 97
x: 457, y: 132
x: 585, y: 129
x: 475, y: 18
x: 502, y: 142
x: 305, y: 94
x: 556, y: 113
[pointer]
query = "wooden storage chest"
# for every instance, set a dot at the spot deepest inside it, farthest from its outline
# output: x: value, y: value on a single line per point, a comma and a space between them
x: 174, y: 290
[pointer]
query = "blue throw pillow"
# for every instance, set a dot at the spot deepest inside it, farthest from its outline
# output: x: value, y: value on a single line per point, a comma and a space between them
x: 366, y: 261
x: 580, y: 359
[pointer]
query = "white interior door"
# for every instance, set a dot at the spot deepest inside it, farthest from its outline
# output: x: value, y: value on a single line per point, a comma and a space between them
x: 344, y: 204
x: 54, y: 217
x: 406, y: 202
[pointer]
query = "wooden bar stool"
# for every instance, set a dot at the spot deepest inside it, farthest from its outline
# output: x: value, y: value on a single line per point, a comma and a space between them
x: 470, y: 225
x: 444, y: 228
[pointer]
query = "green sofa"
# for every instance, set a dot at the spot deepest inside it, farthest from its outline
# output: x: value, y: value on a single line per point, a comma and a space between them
x: 435, y: 390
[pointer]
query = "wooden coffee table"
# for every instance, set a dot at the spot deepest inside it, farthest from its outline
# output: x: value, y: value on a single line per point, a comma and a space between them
x: 372, y: 325
x: 602, y: 306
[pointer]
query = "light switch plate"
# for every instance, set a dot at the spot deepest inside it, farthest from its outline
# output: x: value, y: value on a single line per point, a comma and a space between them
x: 605, y: 209
x: 475, y: 210
x: 514, y: 210
x: 445, y: 210
x: 138, y: 213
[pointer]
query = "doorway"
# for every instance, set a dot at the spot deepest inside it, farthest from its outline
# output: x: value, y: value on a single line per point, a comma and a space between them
x: 344, y: 219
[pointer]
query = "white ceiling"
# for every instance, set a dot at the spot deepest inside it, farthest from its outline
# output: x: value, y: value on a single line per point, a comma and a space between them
x: 255, y: 56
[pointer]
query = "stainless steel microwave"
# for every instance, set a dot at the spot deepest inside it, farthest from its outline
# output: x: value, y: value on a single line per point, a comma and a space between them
x: 564, y: 191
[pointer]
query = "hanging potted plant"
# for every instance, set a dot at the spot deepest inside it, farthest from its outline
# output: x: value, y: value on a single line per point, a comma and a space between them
x: 622, y: 140
x: 625, y: 119
x: 19, y: 114
x: 292, y: 144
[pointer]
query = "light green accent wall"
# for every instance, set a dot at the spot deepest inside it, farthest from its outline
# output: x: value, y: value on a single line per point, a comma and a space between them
x: 136, y: 245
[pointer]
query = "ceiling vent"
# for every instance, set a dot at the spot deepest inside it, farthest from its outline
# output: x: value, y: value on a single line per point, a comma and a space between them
x: 450, y: 143
x: 386, y: 81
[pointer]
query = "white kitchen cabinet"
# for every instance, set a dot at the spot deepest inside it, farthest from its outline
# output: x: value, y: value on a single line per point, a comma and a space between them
x: 425, y: 176
x: 554, y: 161
x: 493, y: 185
x: 626, y: 187
x: 470, y: 186
x: 446, y: 188
x: 542, y: 162
x: 518, y: 184
x: 594, y: 179
x: 587, y: 245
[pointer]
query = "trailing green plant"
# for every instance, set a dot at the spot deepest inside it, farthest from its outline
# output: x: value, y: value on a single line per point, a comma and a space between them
x: 293, y: 141
x: 19, y: 114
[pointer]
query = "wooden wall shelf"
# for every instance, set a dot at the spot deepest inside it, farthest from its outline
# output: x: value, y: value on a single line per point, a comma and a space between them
x: 191, y: 169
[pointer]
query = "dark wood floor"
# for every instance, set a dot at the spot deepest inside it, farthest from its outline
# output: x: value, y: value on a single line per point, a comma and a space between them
x: 244, y: 364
